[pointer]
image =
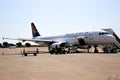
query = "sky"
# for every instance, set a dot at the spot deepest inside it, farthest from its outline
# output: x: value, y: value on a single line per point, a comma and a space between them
x: 55, y: 17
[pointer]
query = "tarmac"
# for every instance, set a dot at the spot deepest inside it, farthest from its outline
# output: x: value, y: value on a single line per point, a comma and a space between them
x: 80, y: 66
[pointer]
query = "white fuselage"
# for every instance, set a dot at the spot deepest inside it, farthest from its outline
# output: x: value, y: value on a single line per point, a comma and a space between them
x: 89, y: 38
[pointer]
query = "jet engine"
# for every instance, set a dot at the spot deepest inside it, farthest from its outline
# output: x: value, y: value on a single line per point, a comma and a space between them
x: 57, y: 48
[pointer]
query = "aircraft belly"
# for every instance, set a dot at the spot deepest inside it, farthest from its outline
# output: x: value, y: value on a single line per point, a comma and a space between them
x: 100, y: 41
x: 95, y: 41
x: 72, y: 42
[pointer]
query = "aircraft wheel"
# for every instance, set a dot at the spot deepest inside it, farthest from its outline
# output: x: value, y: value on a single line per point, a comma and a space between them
x: 25, y: 54
x: 96, y: 51
x: 35, y: 54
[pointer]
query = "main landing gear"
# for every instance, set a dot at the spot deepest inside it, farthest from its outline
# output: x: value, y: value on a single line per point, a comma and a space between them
x: 95, y: 50
x: 57, y: 50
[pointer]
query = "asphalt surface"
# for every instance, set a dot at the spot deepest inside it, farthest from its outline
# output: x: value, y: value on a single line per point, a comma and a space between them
x: 81, y: 66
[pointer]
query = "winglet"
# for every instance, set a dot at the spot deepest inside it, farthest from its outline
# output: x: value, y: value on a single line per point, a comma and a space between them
x: 35, y: 32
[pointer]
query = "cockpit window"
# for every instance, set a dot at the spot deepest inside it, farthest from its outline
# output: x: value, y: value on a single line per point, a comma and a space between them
x: 103, y: 33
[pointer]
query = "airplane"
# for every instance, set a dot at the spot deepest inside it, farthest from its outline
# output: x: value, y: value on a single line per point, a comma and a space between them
x: 57, y: 43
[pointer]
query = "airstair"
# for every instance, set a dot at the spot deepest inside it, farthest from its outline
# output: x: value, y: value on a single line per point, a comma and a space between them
x: 117, y: 41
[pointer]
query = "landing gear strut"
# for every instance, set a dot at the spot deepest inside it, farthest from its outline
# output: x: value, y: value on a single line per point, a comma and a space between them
x: 88, y: 48
x: 95, y: 50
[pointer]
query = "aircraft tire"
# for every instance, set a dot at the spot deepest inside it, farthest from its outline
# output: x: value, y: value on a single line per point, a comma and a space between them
x: 35, y: 54
x: 25, y: 54
x: 96, y: 51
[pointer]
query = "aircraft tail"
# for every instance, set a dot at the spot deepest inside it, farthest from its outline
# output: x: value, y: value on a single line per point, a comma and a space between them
x: 35, y: 32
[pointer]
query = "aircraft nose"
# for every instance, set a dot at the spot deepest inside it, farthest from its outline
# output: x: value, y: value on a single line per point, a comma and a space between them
x: 110, y: 38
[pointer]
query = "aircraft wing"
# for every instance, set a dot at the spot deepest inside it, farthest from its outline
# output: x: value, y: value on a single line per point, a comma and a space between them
x: 35, y: 40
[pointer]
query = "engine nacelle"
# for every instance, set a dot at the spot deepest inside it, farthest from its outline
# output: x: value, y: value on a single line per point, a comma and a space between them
x: 57, y: 48
x: 54, y: 45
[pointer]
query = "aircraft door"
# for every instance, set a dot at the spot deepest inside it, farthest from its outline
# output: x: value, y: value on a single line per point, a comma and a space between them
x: 82, y: 42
